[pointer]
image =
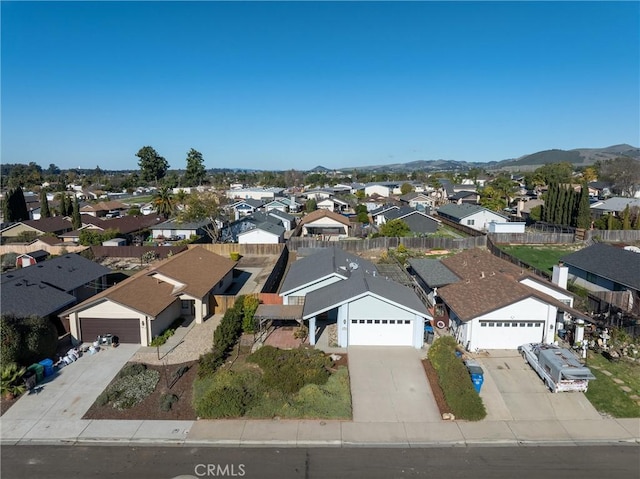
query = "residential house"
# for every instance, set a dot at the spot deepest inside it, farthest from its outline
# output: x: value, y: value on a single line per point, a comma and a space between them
x: 47, y: 287
x: 494, y: 304
x: 606, y: 268
x: 378, y: 214
x: 419, y: 223
x: 318, y: 194
x: 105, y: 209
x: 288, y: 221
x: 382, y: 188
x: 260, y: 194
x: 141, y: 307
x: 263, y: 233
x: 173, y: 230
x: 473, y: 216
x: 277, y: 204
x: 53, y: 226
x: 325, y: 223
x: 599, y: 189
x: 343, y: 292
x: 245, y: 207
x: 419, y: 201
x: 613, y: 206
x: 465, y: 197
x: 333, y: 204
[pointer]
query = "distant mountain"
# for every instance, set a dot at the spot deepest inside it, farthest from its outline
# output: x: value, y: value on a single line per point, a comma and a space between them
x: 577, y: 157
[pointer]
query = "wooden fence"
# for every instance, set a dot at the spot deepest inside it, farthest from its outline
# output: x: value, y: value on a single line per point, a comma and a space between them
x: 225, y: 249
x: 384, y: 243
x: 512, y: 259
x: 613, y: 236
x: 24, y: 248
x: 532, y: 238
x: 272, y: 283
x: 134, y: 251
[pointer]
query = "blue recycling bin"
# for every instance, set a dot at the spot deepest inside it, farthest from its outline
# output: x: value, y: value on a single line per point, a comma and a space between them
x: 47, y: 364
x: 477, y: 380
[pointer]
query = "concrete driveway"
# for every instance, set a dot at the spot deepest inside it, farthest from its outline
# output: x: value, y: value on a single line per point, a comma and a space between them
x: 69, y: 393
x: 513, y: 391
x: 388, y: 384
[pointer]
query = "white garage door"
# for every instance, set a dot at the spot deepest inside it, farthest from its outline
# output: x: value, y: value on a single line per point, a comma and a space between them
x: 381, y: 332
x: 507, y: 334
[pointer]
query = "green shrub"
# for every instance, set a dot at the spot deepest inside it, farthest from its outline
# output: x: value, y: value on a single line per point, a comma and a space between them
x: 289, y: 370
x: 453, y: 377
x: 167, y: 333
x: 167, y: 400
x: 11, y: 383
x: 27, y: 340
x: 132, y: 369
x: 250, y: 306
x: 226, y: 394
x: 209, y: 363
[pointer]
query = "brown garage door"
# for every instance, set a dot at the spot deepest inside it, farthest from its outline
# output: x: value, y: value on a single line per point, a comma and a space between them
x: 127, y: 330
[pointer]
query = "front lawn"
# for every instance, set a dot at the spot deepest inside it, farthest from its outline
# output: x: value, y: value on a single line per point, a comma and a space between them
x: 540, y: 257
x: 607, y: 396
x: 297, y: 383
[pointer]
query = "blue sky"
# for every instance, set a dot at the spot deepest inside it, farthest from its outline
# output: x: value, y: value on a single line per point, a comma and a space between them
x: 293, y: 85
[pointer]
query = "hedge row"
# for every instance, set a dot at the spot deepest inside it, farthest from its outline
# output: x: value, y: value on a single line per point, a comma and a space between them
x: 454, y: 379
x: 224, y: 338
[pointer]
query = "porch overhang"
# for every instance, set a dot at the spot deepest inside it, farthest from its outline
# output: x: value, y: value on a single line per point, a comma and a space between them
x: 270, y: 312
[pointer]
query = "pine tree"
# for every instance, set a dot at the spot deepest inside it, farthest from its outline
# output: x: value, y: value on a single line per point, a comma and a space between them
x: 76, y: 221
x: 44, y: 205
x: 15, y: 206
x: 583, y: 215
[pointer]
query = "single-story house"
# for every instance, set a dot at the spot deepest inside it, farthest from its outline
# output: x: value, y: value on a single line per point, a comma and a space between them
x: 104, y: 208
x: 341, y: 289
x: 288, y: 221
x: 419, y: 223
x: 603, y: 267
x: 473, y: 216
x: 55, y: 225
x: 263, y: 233
x: 261, y: 194
x: 325, y: 223
x: 245, y: 207
x: 384, y: 189
x: 465, y: 197
x: 46, y: 288
x: 378, y: 214
x: 419, y: 201
x: 144, y: 305
x: 489, y: 303
x: 333, y: 204
x: 173, y: 229
x: 614, y: 206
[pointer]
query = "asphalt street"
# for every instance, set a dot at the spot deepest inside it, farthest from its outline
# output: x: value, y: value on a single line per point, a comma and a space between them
x: 587, y: 462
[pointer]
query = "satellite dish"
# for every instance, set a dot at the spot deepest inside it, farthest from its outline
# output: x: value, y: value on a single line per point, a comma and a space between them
x: 353, y: 266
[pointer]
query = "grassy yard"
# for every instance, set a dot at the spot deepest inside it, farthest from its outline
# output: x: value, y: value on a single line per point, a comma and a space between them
x: 540, y: 257
x: 605, y: 395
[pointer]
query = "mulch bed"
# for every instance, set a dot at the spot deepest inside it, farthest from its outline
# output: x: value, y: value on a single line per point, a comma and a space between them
x: 438, y: 395
x: 150, y: 407
x: 5, y: 404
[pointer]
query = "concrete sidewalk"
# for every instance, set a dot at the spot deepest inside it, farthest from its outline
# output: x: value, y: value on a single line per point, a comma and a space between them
x: 285, y: 433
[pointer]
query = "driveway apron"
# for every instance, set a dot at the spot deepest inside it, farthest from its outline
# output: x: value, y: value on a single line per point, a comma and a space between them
x: 388, y: 384
x: 71, y: 391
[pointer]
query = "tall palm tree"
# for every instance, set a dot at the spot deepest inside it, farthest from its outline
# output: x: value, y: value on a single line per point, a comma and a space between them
x: 163, y: 202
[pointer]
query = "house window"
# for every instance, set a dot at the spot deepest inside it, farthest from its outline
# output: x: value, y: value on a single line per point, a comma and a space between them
x: 506, y: 325
x: 184, y: 304
x: 514, y: 325
x: 529, y: 325
x: 491, y: 325
x: 406, y: 321
x: 522, y: 325
x: 376, y: 321
x: 369, y: 321
x: 354, y: 321
x: 499, y: 325
x: 471, y: 222
x: 384, y: 321
x: 592, y: 278
x: 538, y: 325
x: 392, y: 321
x: 483, y: 325
x: 362, y: 321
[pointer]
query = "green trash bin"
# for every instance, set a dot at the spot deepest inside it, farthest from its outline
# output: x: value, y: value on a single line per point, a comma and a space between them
x: 38, y: 369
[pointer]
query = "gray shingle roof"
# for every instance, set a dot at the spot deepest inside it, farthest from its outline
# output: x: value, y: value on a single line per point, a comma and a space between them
x: 323, y: 263
x: 43, y: 288
x: 459, y: 211
x: 282, y: 215
x: 358, y: 284
x: 610, y: 262
x: 270, y: 228
x: 433, y: 272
